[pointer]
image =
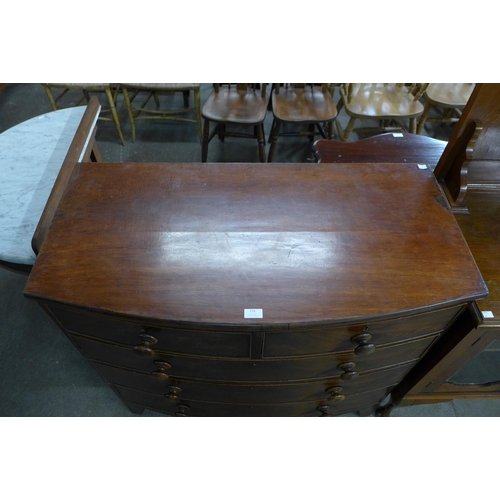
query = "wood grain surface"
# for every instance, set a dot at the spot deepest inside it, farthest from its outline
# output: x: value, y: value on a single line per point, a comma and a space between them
x: 304, y: 243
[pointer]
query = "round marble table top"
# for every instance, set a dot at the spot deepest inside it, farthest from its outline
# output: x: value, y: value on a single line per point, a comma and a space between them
x: 31, y: 155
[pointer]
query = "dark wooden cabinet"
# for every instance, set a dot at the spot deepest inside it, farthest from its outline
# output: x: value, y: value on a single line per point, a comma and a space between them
x: 255, y: 290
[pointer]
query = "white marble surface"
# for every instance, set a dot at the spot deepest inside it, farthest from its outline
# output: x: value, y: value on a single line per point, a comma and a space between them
x: 31, y: 155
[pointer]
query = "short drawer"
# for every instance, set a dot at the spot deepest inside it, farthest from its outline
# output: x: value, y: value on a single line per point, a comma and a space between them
x: 205, y: 409
x: 246, y: 370
x: 324, y: 339
x: 196, y: 342
x: 334, y: 389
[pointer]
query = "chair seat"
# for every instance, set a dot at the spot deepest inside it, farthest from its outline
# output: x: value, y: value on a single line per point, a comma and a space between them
x: 164, y: 86
x: 453, y: 95
x: 80, y: 85
x: 230, y: 105
x: 302, y: 105
x: 379, y: 100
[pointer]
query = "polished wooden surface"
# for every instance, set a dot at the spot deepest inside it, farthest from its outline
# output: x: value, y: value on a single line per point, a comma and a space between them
x: 150, y: 268
x: 306, y: 243
x: 390, y: 147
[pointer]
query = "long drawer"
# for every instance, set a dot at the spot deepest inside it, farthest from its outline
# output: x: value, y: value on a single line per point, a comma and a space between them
x: 207, y: 409
x: 246, y: 370
x: 236, y: 342
x: 334, y: 389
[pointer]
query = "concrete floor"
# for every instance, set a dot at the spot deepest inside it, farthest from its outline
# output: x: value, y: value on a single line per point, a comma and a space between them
x: 41, y: 372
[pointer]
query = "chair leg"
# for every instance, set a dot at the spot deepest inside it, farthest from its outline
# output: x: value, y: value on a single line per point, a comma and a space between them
x: 348, y: 129
x: 312, y: 127
x: 204, y: 144
x: 273, y: 137
x: 128, y: 105
x: 262, y: 142
x: 114, y: 114
x: 413, y: 125
x: 330, y: 130
x: 221, y: 131
x: 423, y: 118
x: 185, y: 95
x: 197, y: 108
x: 50, y: 95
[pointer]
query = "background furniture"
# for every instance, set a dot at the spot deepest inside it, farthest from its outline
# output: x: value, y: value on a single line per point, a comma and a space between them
x: 472, y: 154
x: 249, y: 290
x: 451, y: 98
x: 384, y: 102
x: 240, y: 104
x: 400, y: 147
x: 87, y: 89
x: 299, y: 104
x: 37, y: 155
x: 154, y: 90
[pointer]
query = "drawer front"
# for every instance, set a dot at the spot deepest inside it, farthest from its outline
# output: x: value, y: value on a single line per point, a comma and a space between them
x: 204, y: 409
x: 334, y: 389
x: 324, y: 339
x: 245, y: 370
x: 196, y: 342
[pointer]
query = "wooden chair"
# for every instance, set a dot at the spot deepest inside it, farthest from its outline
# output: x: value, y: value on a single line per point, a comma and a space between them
x: 153, y: 90
x: 451, y: 98
x: 242, y: 104
x: 383, y: 148
x: 385, y: 102
x: 301, y: 104
x: 87, y: 89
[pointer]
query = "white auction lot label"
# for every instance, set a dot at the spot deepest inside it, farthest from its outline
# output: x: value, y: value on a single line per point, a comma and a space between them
x: 253, y: 313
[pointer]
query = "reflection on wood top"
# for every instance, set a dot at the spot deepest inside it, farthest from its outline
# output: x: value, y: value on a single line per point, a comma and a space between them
x: 305, y: 243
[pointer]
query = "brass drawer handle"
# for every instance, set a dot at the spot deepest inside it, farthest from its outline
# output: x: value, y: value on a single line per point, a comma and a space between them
x: 144, y: 349
x: 348, y: 369
x: 173, y: 393
x: 335, y: 396
x: 364, y: 347
x: 161, y: 373
x: 183, y: 409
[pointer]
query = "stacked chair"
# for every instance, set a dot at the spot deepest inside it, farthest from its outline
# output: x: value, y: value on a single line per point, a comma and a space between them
x: 235, y: 105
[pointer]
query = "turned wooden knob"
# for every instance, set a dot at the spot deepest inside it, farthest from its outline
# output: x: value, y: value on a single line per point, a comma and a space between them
x: 323, y: 409
x: 173, y: 393
x: 161, y: 373
x: 348, y: 369
x: 183, y: 409
x: 364, y: 347
x: 335, y: 396
x: 144, y: 348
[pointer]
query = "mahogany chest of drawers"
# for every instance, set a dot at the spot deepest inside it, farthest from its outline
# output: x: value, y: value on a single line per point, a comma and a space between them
x: 254, y: 290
